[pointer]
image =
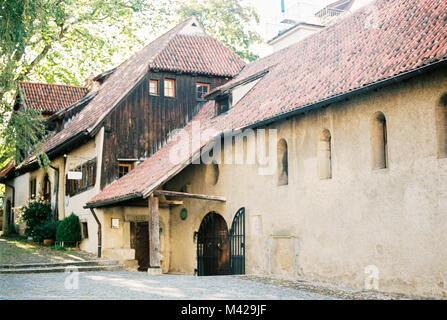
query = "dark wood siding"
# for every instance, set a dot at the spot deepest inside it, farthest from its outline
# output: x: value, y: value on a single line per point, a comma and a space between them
x: 141, y: 123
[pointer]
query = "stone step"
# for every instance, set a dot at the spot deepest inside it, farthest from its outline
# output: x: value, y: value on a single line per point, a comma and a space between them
x: 102, y: 262
x: 116, y: 267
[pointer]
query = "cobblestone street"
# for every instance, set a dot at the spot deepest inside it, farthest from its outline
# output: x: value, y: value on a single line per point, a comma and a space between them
x: 133, y: 285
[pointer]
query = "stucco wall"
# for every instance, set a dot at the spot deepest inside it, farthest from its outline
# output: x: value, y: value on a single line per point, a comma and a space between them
x: 76, y: 203
x: 66, y: 204
x: 116, y: 242
x: 394, y: 218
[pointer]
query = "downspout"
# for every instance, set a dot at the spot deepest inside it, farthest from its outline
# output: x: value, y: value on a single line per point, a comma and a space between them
x: 56, y: 205
x: 99, y: 231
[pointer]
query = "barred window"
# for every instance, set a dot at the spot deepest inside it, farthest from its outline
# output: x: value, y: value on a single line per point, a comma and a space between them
x: 88, y: 180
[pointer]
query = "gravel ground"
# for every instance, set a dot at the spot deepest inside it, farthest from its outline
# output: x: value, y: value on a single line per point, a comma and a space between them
x: 19, y: 251
x: 138, y: 285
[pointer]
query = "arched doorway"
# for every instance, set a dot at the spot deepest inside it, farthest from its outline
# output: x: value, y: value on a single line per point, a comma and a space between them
x: 213, y: 246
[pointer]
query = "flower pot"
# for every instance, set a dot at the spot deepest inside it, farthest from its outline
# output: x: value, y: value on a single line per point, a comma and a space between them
x: 48, y: 242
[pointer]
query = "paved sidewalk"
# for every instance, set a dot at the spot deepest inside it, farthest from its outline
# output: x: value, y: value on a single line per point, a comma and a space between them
x: 138, y: 285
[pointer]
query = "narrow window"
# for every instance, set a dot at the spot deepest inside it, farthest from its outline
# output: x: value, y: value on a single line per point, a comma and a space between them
x: 153, y: 87
x: 32, y: 188
x: 325, y: 156
x: 379, y: 143
x: 124, y: 168
x: 202, y: 89
x: 84, y: 229
x: 441, y: 126
x: 169, y: 88
x: 47, y: 188
x: 283, y: 164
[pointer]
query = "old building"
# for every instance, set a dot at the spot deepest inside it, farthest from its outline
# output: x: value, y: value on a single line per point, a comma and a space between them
x: 352, y: 189
x: 325, y: 160
x: 127, y: 115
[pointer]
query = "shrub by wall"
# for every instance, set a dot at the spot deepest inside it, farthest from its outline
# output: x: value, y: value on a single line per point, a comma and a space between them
x: 34, y: 213
x: 69, y: 229
x: 45, y: 230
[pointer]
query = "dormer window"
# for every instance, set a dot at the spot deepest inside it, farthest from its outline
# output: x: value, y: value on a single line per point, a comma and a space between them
x: 202, y: 89
x: 223, y: 104
x: 124, y: 168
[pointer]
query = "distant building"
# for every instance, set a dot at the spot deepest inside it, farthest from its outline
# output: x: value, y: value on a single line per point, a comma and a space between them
x: 298, y: 24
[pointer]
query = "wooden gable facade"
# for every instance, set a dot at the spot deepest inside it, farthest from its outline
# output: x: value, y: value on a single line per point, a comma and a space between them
x: 142, y: 122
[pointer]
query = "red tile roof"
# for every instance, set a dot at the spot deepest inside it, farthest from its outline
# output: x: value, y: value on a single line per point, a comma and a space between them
x: 47, y: 97
x: 6, y: 170
x: 356, y: 52
x: 180, y: 49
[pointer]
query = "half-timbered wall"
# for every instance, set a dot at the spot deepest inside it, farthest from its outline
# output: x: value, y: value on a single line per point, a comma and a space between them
x: 141, y: 123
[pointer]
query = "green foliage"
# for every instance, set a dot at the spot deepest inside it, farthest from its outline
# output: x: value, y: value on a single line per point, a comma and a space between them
x: 61, y: 41
x: 45, y: 230
x: 10, y: 230
x: 65, y: 41
x: 58, y: 247
x: 227, y: 20
x: 69, y: 229
x: 35, y: 213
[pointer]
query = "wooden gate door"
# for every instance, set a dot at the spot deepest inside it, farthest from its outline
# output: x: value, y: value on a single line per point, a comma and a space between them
x: 140, y: 242
x: 213, y: 246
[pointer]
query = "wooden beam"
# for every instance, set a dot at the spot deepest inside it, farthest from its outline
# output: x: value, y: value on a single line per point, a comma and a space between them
x: 170, y: 202
x: 188, y: 195
x: 154, y: 233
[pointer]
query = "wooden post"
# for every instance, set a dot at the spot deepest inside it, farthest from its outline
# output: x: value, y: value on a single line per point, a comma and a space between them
x: 154, y: 233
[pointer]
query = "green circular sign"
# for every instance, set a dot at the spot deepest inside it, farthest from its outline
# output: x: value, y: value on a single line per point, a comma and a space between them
x: 183, y: 214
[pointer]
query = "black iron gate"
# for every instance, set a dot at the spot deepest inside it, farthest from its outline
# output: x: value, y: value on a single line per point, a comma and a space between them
x: 237, y: 243
x: 220, y: 252
x: 213, y: 253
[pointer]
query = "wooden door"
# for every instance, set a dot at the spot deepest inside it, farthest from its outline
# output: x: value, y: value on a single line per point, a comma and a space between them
x: 140, y: 242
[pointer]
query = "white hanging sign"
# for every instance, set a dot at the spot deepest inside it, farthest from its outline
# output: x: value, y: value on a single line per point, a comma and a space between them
x: 74, y: 175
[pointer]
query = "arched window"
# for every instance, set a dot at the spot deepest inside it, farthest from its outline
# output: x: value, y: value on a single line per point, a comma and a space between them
x: 441, y: 126
x: 324, y: 155
x: 379, y: 143
x: 47, y: 188
x: 283, y: 164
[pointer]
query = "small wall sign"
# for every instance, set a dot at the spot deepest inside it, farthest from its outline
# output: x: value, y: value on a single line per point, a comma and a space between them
x: 115, y: 223
x: 183, y: 214
x: 74, y: 175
